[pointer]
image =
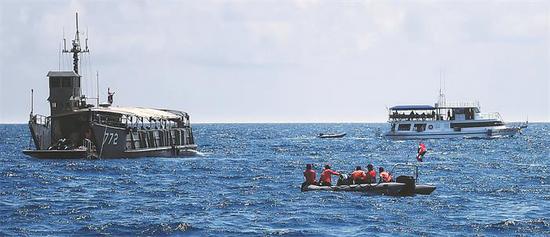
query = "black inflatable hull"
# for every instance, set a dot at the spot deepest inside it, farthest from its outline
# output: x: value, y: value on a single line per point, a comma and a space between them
x: 393, y: 189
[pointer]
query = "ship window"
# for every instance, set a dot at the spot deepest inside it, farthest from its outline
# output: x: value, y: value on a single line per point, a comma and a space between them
x: 55, y: 82
x: 404, y: 127
x: 419, y: 127
x: 66, y: 82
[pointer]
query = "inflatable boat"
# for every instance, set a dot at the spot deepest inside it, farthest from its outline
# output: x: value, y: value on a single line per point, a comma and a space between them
x: 335, y: 135
x: 402, y: 186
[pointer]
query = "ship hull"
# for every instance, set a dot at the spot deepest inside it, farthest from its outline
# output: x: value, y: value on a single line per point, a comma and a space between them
x: 443, y: 129
x: 114, y: 142
x: 482, y: 134
x: 56, y: 154
x: 182, y: 151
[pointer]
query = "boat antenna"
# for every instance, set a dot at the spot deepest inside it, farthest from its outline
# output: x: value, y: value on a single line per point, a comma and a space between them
x: 32, y: 102
x: 441, y: 101
x: 439, y: 82
x: 76, y: 49
x: 59, y: 58
x: 97, y: 88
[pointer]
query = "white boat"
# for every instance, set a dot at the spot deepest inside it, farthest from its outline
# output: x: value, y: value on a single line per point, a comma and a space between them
x: 331, y: 135
x: 445, y: 120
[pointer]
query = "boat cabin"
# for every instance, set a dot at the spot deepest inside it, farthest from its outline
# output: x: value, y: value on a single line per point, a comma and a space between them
x: 428, y: 112
x: 420, y: 118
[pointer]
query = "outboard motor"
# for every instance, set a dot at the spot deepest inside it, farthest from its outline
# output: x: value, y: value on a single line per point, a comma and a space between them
x: 410, y: 185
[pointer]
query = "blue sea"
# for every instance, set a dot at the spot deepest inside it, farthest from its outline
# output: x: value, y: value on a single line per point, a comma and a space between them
x: 246, y: 182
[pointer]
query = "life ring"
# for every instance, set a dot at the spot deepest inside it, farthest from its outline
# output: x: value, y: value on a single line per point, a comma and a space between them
x: 430, y: 126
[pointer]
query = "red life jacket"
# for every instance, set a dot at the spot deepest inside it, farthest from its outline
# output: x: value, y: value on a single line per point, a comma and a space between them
x: 422, y: 149
x: 371, y: 175
x: 386, y: 177
x: 326, y: 175
x: 310, y: 176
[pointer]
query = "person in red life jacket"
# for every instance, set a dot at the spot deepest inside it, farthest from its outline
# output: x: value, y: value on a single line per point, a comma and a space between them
x: 310, y: 175
x: 359, y: 176
x: 326, y: 176
x: 421, y: 152
x: 385, y: 176
x: 371, y: 174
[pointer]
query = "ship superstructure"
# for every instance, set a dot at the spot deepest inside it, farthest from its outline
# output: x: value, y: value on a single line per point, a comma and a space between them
x: 76, y: 129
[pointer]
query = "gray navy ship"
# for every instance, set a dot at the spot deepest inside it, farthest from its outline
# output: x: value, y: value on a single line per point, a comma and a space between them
x: 76, y: 129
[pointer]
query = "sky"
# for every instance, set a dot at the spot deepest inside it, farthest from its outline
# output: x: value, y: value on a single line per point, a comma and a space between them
x: 283, y: 61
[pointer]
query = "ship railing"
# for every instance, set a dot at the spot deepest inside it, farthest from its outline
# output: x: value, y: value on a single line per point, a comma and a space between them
x: 142, y: 123
x: 114, y: 121
x: 88, y: 144
x: 415, y: 117
x: 463, y: 104
x: 494, y: 115
x: 40, y: 120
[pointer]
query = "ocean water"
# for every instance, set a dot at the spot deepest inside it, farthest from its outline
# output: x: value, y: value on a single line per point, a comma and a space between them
x: 247, y: 183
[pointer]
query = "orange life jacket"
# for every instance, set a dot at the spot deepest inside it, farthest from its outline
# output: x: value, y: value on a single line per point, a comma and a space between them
x: 358, y: 175
x: 326, y: 175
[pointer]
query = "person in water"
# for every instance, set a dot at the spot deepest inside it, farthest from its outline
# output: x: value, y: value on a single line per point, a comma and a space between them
x: 359, y: 176
x: 421, y: 152
x: 310, y: 175
x: 371, y: 174
x: 326, y: 178
x: 385, y: 176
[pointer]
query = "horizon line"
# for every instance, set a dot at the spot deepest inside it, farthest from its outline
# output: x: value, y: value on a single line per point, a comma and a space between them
x: 286, y: 122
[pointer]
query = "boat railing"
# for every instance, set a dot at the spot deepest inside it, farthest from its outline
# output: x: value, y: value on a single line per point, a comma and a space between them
x: 494, y: 115
x: 40, y: 120
x: 404, y: 166
x: 466, y: 104
x: 88, y: 144
x: 114, y: 121
x: 415, y: 116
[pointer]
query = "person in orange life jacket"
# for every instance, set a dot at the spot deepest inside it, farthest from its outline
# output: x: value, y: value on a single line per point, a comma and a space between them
x: 359, y: 176
x: 326, y: 176
x: 310, y: 175
x: 421, y: 152
x: 385, y: 176
x: 371, y: 174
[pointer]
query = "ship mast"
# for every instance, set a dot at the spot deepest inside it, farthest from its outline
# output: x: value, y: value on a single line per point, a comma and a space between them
x: 76, y: 49
x: 441, y: 101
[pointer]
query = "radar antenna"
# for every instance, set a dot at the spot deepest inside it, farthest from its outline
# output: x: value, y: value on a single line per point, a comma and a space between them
x: 76, y: 49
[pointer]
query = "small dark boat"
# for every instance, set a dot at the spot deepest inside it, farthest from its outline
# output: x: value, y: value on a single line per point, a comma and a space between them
x: 331, y: 135
x: 403, y: 186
